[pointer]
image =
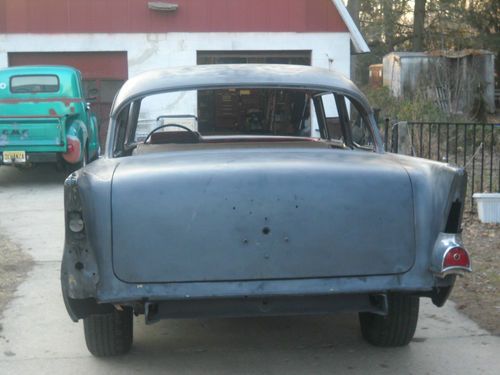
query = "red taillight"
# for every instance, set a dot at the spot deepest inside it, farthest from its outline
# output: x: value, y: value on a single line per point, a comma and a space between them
x: 72, y: 155
x: 456, y: 257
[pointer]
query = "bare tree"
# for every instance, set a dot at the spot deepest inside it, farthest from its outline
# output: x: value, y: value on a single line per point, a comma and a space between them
x: 354, y: 8
x: 389, y: 24
x: 418, y: 25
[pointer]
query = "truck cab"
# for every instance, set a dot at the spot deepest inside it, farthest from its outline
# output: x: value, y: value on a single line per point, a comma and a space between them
x: 45, y: 117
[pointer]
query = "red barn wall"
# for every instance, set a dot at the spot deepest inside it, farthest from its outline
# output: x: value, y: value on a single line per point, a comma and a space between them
x: 133, y: 16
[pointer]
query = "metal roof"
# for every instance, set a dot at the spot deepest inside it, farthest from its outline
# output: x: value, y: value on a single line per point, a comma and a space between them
x: 227, y: 76
x: 441, y: 53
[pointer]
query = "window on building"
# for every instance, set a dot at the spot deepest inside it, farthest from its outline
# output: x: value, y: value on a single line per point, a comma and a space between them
x: 254, y: 57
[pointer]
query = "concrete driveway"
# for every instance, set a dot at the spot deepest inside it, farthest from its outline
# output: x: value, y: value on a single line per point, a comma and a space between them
x: 39, y: 338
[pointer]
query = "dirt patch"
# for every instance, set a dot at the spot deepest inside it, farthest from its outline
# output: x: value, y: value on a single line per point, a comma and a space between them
x: 14, y: 265
x: 478, y: 294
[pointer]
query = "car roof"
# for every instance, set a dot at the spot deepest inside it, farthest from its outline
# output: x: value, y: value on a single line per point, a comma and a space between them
x: 234, y: 75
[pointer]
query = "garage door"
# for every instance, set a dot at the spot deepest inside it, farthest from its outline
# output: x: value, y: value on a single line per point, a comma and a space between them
x: 254, y: 57
x: 103, y: 74
x: 227, y: 110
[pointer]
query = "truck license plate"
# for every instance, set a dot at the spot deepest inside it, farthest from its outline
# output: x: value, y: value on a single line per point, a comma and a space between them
x: 16, y: 156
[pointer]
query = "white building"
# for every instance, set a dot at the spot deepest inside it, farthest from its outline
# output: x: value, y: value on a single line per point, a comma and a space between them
x: 109, y: 41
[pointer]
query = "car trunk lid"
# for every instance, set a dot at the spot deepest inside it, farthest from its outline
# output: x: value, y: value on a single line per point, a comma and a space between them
x: 251, y: 214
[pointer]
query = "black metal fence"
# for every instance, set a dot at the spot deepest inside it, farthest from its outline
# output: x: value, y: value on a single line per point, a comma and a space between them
x: 475, y: 146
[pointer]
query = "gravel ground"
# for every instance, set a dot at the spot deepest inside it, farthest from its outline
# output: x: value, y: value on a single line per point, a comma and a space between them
x: 14, y: 265
x: 478, y: 294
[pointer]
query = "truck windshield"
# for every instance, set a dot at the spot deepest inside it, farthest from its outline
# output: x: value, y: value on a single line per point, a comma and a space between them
x: 34, y: 84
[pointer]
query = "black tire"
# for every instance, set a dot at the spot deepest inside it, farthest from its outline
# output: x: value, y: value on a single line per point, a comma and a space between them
x: 397, y: 327
x: 109, y: 334
x: 60, y: 165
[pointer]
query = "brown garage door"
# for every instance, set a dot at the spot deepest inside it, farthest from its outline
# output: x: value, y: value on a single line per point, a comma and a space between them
x: 103, y: 75
x: 226, y: 110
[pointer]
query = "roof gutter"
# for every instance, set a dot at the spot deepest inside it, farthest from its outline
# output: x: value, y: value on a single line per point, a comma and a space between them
x: 357, y: 39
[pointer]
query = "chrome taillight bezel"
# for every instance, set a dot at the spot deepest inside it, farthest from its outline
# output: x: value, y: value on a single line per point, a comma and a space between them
x: 445, y: 243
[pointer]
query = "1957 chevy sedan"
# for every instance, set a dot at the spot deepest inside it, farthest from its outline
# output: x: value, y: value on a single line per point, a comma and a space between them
x: 244, y: 190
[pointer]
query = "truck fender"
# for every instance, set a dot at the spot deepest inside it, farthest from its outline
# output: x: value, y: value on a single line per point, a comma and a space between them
x: 76, y: 139
x: 95, y: 144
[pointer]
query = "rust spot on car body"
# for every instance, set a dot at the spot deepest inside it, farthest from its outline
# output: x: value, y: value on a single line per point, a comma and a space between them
x: 31, y: 116
x: 66, y: 101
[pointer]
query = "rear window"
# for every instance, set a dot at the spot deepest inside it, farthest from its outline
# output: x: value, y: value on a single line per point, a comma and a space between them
x: 34, y: 84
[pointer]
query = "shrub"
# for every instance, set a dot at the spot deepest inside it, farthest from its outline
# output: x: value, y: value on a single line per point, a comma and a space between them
x: 418, y: 109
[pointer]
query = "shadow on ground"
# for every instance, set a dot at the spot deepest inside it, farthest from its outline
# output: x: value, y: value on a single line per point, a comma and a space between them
x: 308, y: 344
x: 44, y: 174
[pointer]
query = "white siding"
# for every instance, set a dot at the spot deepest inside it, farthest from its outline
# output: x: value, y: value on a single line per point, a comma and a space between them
x: 152, y: 51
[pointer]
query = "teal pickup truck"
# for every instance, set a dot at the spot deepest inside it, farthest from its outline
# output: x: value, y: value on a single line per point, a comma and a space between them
x: 44, y: 118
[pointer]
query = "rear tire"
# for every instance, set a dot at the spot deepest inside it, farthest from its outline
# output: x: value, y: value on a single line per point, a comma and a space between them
x: 397, y: 327
x: 109, y: 334
x: 60, y: 164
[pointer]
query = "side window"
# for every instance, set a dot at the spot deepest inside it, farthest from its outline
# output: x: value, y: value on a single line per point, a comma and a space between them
x: 362, y: 136
x: 120, y: 131
x: 332, y: 117
x: 135, y: 107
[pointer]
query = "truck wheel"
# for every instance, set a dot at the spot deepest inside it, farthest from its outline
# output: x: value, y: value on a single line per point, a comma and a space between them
x: 109, y: 334
x: 397, y: 327
x: 60, y: 164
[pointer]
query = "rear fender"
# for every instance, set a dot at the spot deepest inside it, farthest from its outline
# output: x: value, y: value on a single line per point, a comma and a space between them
x: 77, y: 128
x: 439, y: 195
x: 86, y: 253
x: 93, y: 142
x: 79, y: 273
x: 76, y: 139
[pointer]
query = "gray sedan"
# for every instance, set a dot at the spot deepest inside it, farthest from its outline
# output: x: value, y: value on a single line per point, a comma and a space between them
x: 245, y: 190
